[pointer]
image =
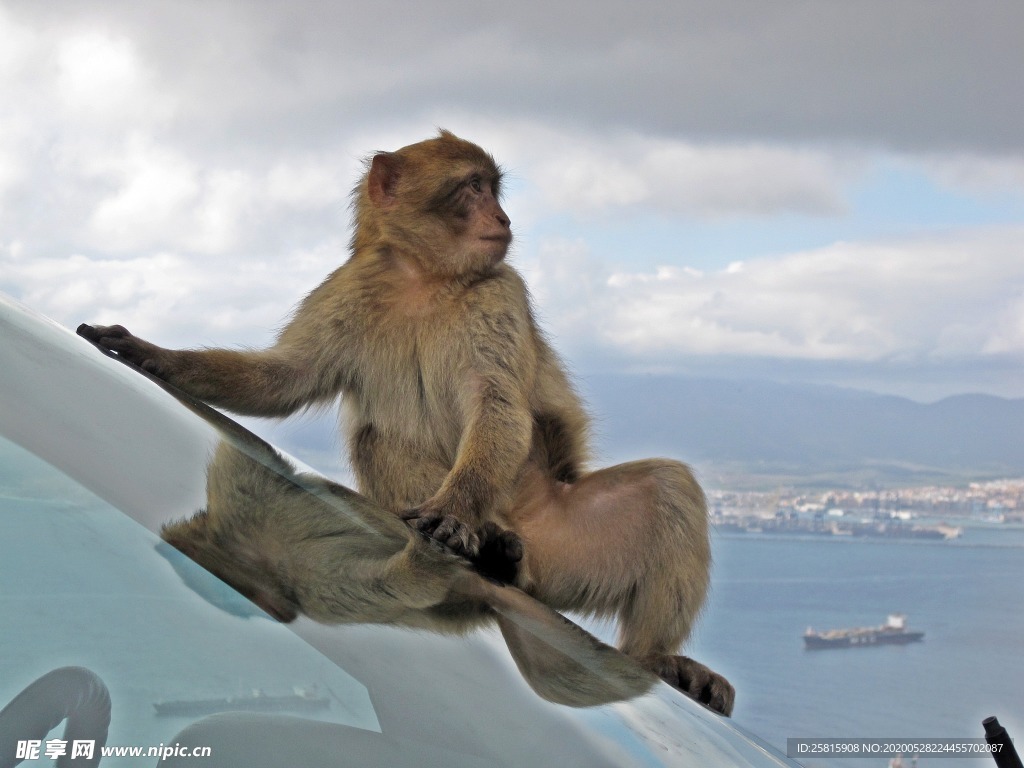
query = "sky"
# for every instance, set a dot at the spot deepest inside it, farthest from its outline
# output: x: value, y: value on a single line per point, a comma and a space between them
x: 817, y: 191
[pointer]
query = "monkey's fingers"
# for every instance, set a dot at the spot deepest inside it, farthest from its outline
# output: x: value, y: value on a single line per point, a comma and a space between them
x: 87, y: 331
x: 424, y: 522
x: 445, y: 530
x: 131, y: 348
x: 128, y: 347
x: 96, y: 333
x: 116, y: 338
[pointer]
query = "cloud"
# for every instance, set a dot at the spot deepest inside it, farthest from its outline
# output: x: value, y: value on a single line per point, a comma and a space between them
x: 684, y: 109
x: 979, y: 175
x: 172, y: 299
x: 100, y: 79
x: 198, y: 191
x: 153, y: 186
x: 584, y: 173
x: 917, y: 75
x: 960, y: 297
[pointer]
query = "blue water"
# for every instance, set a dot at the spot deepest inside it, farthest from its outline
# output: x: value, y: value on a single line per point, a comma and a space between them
x: 967, y: 596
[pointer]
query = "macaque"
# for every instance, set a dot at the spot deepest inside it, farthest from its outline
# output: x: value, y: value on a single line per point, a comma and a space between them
x: 296, y: 542
x: 460, y: 416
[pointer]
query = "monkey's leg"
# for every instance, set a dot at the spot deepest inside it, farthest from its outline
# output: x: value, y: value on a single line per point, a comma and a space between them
x: 631, y: 540
x: 666, y: 602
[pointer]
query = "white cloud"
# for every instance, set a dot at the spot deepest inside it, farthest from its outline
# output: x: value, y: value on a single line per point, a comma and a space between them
x: 590, y: 173
x: 1008, y: 335
x: 97, y: 76
x: 100, y: 289
x: 307, y: 182
x: 144, y: 194
x: 154, y: 189
x: 17, y: 42
x: 175, y: 300
x: 14, y: 165
x: 955, y: 298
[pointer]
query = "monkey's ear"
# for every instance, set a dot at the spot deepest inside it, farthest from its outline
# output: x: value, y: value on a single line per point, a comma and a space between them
x: 383, y: 178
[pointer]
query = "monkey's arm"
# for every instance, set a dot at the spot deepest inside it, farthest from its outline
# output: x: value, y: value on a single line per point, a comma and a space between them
x: 498, y: 424
x: 494, y: 446
x: 273, y: 382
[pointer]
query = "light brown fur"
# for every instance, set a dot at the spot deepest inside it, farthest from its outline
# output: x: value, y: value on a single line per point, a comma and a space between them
x: 458, y: 412
x: 297, y: 543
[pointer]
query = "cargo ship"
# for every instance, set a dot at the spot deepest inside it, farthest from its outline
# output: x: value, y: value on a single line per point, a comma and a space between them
x: 893, y: 632
x: 300, y: 701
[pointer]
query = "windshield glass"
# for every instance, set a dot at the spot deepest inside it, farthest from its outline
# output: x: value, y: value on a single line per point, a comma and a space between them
x: 83, y: 584
x: 96, y: 458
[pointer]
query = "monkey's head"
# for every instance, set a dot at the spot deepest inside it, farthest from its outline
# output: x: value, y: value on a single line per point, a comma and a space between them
x: 437, y: 203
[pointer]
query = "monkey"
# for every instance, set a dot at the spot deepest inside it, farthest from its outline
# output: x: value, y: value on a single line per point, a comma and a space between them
x: 296, y: 542
x: 458, y: 412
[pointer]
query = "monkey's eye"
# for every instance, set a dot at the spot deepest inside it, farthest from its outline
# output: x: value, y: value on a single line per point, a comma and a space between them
x: 475, y: 184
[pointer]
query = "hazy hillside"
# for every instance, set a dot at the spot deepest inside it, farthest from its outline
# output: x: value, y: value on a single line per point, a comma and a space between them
x: 758, y: 432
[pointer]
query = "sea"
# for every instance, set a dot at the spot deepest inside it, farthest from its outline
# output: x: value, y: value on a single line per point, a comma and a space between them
x: 966, y: 595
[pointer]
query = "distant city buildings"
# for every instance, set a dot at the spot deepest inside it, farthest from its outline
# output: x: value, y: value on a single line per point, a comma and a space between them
x: 890, y: 512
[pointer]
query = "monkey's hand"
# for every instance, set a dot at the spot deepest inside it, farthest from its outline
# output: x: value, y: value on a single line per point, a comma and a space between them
x: 119, y: 339
x: 444, y: 528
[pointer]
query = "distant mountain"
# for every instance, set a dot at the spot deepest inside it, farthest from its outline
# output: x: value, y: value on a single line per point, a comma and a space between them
x: 759, y: 434
x: 750, y: 434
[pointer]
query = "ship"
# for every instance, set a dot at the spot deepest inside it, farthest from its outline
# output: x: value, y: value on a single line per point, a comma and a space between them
x: 299, y: 701
x: 893, y: 632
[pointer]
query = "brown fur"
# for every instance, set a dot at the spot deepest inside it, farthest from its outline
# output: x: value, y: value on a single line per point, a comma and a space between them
x: 297, y: 543
x: 458, y: 412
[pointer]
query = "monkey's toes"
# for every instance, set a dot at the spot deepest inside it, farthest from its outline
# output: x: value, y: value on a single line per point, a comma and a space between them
x: 698, y: 682
x: 510, y: 546
x: 500, y: 554
x: 501, y: 540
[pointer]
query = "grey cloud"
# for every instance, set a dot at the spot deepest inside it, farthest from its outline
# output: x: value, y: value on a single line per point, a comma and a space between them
x: 918, y: 74
x: 240, y: 125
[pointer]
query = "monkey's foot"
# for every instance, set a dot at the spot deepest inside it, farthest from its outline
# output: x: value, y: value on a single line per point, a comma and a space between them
x: 696, y: 681
x: 500, y: 553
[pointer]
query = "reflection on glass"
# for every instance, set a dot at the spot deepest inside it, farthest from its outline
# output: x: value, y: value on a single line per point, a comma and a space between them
x: 85, y: 582
x: 81, y: 585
